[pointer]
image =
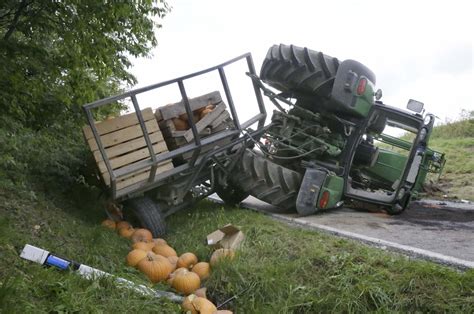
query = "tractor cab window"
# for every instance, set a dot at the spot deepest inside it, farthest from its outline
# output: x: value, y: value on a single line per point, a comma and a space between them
x: 381, y: 156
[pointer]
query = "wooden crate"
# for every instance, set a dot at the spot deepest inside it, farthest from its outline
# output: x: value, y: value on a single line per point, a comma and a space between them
x: 215, y: 121
x: 124, y: 144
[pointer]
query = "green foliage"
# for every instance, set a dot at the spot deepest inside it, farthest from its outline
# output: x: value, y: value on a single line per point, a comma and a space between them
x: 54, y: 158
x: 462, y: 127
x: 456, y: 140
x: 58, y: 55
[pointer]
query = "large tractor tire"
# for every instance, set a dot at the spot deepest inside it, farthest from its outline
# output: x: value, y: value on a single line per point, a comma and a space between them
x: 268, y: 181
x: 148, y: 213
x: 301, y: 70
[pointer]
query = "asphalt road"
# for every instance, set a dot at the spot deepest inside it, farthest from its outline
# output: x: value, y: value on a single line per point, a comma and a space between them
x: 436, y: 230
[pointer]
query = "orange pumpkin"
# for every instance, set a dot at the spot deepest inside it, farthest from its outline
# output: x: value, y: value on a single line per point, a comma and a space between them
x: 126, y: 232
x: 174, y: 273
x: 185, y: 281
x: 173, y: 260
x: 164, y: 250
x: 221, y: 254
x: 159, y: 241
x: 135, y: 256
x: 108, y: 223
x: 201, y: 292
x: 204, y: 113
x: 142, y: 235
x: 187, y: 260
x: 180, y: 124
x: 145, y: 246
x: 203, y: 270
x: 155, y: 267
x: 198, y: 305
x: 187, y: 305
x: 123, y: 224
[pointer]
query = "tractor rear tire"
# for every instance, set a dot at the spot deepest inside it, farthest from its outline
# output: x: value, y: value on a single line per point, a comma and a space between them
x: 268, y: 181
x: 301, y: 70
x: 148, y: 214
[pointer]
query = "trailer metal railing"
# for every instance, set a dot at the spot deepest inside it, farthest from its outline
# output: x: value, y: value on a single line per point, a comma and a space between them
x: 195, y: 146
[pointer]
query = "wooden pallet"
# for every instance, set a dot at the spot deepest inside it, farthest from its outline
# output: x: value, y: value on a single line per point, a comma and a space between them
x: 216, y: 121
x: 124, y: 144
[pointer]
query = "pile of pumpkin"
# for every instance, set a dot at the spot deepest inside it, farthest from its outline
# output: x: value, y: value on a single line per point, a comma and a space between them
x: 160, y: 263
x: 181, y: 123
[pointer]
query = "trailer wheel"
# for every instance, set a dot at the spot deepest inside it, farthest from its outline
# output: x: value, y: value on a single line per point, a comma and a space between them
x: 231, y: 194
x: 295, y: 69
x: 148, y: 214
x: 268, y: 181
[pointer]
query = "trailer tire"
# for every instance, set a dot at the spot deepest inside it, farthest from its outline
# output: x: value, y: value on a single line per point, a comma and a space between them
x: 268, y: 181
x: 294, y: 69
x: 148, y: 214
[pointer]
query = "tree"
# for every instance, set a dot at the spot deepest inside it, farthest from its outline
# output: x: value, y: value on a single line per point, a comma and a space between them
x: 57, y: 55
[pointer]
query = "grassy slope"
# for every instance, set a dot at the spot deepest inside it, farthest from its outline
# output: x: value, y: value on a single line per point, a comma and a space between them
x: 286, y: 269
x: 456, y: 139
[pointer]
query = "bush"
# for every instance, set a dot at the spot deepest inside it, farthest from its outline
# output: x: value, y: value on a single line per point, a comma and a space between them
x: 463, y: 127
x: 53, y: 157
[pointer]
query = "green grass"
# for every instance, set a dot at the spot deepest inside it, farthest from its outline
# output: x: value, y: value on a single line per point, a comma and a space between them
x: 456, y: 140
x: 45, y: 200
x: 280, y: 268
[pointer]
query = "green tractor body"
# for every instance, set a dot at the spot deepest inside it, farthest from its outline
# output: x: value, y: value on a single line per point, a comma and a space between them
x: 345, y: 145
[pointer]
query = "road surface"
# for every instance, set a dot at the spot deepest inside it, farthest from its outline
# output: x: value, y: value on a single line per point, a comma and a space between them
x: 439, y: 231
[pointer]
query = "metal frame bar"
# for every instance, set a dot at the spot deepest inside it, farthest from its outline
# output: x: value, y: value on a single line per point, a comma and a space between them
x: 195, y: 146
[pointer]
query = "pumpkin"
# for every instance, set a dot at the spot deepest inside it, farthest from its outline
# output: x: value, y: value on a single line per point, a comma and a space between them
x: 142, y: 235
x: 202, y: 269
x: 180, y: 124
x: 155, y: 267
x: 164, y: 250
x: 174, y: 273
x: 123, y: 224
x: 145, y: 246
x: 108, y: 223
x: 187, y: 260
x: 187, y: 305
x: 201, y: 292
x: 173, y: 260
x: 220, y: 254
x: 135, y: 256
x: 159, y: 241
x: 198, y: 305
x: 204, y: 113
x: 126, y: 232
x: 183, y: 116
x: 185, y: 281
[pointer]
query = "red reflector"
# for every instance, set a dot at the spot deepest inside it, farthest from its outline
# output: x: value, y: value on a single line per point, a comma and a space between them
x: 324, y: 200
x: 361, y: 86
